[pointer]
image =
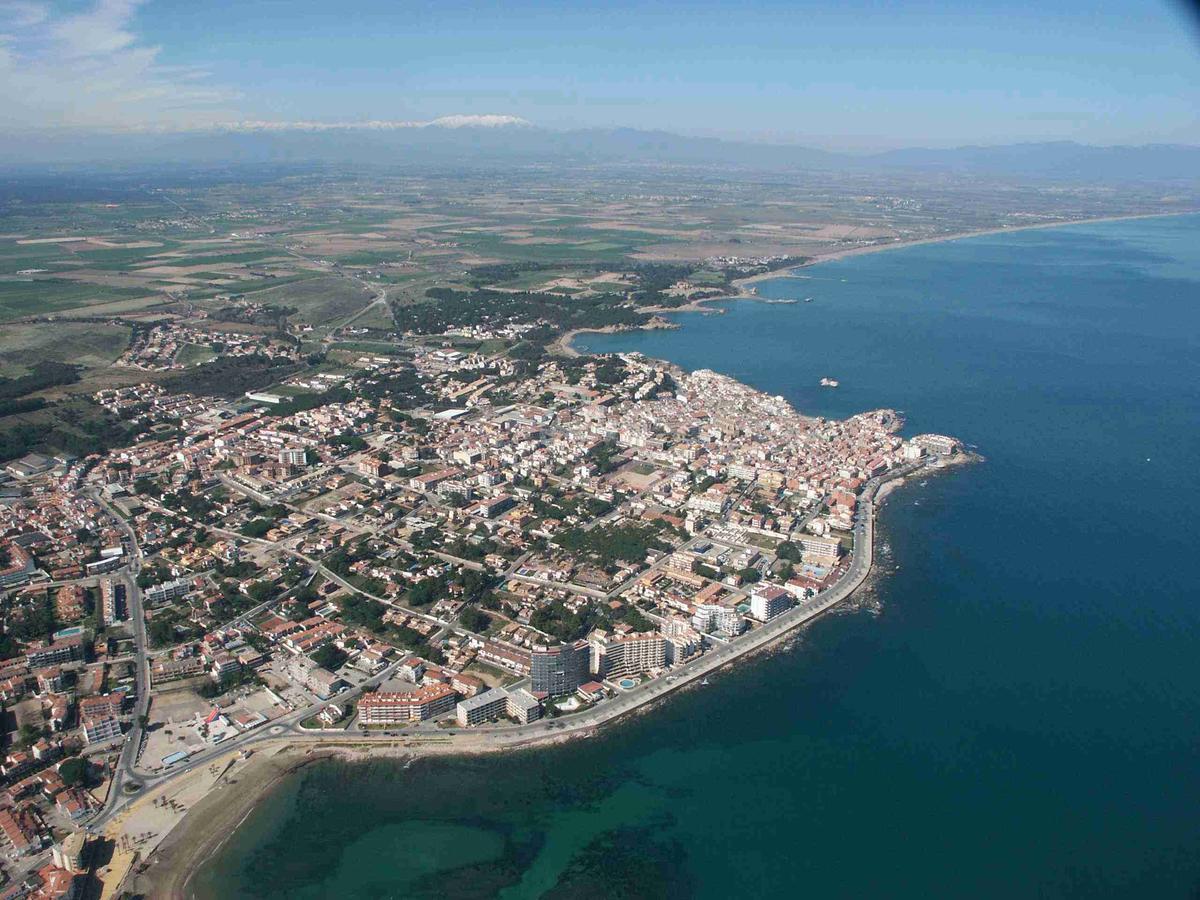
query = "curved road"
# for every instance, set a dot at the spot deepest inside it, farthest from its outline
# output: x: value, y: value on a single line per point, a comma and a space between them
x: 286, y: 730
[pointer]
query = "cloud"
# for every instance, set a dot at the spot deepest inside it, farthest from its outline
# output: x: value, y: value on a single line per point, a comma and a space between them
x: 23, y: 13
x: 88, y: 68
x: 490, y: 121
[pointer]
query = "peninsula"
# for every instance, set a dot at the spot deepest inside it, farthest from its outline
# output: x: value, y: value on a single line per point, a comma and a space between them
x: 276, y: 492
x: 517, y: 557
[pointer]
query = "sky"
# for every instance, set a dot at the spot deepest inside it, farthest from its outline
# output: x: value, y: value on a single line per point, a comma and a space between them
x: 841, y: 74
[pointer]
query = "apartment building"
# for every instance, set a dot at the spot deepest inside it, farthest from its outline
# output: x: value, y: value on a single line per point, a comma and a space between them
x: 388, y: 708
x: 558, y: 671
x: 615, y: 656
x: 485, y: 707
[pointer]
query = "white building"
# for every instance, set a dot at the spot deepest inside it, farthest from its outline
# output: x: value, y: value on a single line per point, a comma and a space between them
x: 768, y: 601
x: 710, y: 617
x: 523, y: 706
x: 485, y: 707
x: 293, y: 456
x: 616, y: 656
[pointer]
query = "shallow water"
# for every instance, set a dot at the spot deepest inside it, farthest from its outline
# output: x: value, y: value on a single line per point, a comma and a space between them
x: 1020, y: 719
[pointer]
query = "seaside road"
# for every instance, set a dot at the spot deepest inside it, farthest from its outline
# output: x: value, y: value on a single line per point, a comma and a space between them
x: 118, y: 799
x: 499, y: 736
x: 124, y: 769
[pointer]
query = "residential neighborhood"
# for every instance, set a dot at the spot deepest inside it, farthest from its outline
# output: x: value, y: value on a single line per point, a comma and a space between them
x: 443, y: 542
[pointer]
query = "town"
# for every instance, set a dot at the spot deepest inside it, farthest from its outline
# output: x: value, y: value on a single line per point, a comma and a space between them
x: 428, y: 544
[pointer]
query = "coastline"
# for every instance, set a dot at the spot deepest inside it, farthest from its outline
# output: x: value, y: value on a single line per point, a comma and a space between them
x: 881, y: 574
x: 203, y: 829
x: 563, y: 344
x: 201, y: 832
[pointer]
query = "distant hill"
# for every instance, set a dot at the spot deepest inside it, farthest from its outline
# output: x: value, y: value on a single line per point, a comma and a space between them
x: 1059, y: 159
x: 527, y: 144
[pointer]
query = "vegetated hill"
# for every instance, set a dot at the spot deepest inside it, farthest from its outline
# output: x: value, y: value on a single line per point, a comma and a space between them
x: 1058, y: 159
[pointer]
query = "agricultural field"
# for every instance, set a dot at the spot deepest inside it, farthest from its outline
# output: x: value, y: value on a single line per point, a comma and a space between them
x: 330, y: 264
x: 19, y: 299
x: 194, y: 355
x: 317, y: 301
x: 91, y: 345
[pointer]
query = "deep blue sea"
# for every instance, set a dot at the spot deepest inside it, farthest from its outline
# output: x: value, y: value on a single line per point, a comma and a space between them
x: 1020, y: 719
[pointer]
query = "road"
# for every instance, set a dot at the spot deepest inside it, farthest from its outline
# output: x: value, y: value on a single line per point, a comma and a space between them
x: 287, y: 727
x: 501, y: 736
x: 124, y: 771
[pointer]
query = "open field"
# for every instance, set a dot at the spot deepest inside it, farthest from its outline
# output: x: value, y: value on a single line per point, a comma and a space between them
x: 318, y: 245
x: 92, y: 345
x: 194, y: 354
x: 318, y: 301
x: 19, y: 299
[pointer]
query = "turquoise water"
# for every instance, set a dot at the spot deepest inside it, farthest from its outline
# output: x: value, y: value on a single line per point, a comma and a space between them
x: 1020, y: 719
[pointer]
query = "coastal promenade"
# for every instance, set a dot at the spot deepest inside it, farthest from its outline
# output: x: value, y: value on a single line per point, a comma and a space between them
x: 716, y: 659
x: 286, y: 733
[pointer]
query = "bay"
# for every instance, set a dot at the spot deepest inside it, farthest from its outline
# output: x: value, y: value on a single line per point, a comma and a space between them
x: 1019, y: 719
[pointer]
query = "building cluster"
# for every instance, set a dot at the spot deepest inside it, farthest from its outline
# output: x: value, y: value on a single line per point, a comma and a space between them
x: 158, y: 347
x: 461, y: 538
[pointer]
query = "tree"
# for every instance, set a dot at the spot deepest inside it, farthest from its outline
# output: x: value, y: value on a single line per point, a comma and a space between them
x: 257, y: 528
x: 789, y: 551
x: 162, y: 632
x: 476, y: 620
x: 557, y: 621
x: 749, y: 575
x: 29, y: 735
x: 424, y: 591
x: 632, y: 616
x: 329, y: 657
x: 74, y: 772
x: 261, y: 591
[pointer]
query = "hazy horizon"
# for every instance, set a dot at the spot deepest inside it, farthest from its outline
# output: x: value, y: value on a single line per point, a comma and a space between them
x: 857, y: 78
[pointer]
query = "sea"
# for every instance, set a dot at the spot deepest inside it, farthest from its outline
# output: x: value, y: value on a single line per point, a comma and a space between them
x: 1012, y: 710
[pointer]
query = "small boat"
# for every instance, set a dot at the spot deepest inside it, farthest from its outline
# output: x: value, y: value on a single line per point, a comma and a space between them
x: 829, y: 382
x: 808, y: 299
x: 704, y: 681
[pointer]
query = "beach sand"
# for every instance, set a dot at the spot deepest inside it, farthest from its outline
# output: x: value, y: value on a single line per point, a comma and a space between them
x: 211, y: 812
x: 562, y: 345
x: 177, y: 841
x: 215, y: 800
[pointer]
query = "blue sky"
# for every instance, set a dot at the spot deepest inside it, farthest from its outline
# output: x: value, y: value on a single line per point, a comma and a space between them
x: 836, y: 74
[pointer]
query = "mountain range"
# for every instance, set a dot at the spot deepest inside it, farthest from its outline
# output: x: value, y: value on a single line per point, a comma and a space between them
x: 516, y: 142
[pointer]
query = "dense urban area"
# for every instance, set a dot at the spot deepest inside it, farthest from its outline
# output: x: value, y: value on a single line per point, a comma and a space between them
x: 269, y: 478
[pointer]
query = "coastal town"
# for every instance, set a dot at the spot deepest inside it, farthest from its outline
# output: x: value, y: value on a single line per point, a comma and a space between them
x: 276, y: 486
x: 479, y: 451
x: 416, y: 547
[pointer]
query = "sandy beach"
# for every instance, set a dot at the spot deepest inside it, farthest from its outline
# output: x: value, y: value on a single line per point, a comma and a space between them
x: 213, y: 805
x: 209, y: 823
x: 562, y: 345
x: 172, y: 843
x: 216, y: 810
